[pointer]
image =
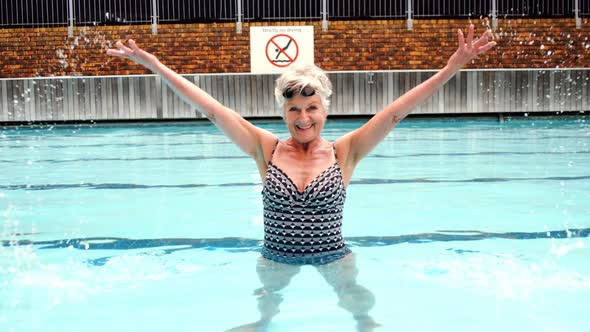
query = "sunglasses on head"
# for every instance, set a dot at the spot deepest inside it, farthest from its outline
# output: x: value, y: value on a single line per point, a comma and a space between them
x: 307, y: 91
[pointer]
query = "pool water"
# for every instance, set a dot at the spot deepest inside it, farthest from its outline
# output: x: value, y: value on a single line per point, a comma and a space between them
x: 456, y: 225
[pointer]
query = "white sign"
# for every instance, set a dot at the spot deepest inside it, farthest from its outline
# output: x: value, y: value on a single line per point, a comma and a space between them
x: 274, y: 49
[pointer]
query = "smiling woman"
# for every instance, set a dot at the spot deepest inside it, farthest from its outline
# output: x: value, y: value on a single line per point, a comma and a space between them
x: 305, y: 176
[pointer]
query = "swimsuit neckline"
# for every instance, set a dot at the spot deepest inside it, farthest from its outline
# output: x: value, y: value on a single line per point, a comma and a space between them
x: 315, y: 179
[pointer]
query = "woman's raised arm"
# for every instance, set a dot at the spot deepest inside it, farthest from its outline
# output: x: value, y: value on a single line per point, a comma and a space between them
x: 361, y: 141
x: 248, y: 137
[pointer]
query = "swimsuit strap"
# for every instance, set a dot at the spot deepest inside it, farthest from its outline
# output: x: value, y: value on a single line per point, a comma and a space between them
x: 335, y: 154
x: 274, y: 149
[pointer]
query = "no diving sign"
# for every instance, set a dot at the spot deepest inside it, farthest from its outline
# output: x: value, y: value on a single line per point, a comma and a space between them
x: 279, y: 55
x: 274, y: 49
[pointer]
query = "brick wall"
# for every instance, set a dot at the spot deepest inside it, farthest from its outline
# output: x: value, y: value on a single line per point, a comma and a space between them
x: 347, y: 45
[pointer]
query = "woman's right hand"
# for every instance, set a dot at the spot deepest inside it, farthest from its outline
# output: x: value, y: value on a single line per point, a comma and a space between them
x: 134, y: 53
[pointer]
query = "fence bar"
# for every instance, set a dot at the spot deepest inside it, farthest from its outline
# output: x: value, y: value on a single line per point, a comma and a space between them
x: 239, y: 16
x: 154, y: 17
x: 494, y: 14
x: 325, y: 15
x: 70, y: 18
x: 577, y: 13
x: 410, y: 21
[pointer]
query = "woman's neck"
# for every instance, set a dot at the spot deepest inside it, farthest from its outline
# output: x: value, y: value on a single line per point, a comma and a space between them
x: 307, y: 147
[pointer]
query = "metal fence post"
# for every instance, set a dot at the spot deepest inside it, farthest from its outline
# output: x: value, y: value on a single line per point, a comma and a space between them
x: 70, y: 18
x: 410, y: 21
x: 494, y: 14
x: 154, y: 17
x: 577, y: 12
x: 325, y: 15
x: 239, y: 16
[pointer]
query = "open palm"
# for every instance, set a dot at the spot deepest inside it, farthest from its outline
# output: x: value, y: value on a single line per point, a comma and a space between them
x: 469, y: 49
x: 133, y: 53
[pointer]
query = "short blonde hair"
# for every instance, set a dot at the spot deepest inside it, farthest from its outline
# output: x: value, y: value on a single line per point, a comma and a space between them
x: 300, y: 76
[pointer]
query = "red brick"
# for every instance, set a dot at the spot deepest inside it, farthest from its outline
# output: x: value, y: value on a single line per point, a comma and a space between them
x: 347, y: 45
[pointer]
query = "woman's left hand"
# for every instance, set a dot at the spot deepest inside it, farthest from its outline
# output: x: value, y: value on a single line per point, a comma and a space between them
x: 469, y: 49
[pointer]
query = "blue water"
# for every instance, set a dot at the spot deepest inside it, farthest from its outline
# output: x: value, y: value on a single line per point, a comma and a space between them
x: 456, y: 225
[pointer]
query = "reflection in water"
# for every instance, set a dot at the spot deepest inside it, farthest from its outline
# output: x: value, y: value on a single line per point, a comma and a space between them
x: 341, y: 275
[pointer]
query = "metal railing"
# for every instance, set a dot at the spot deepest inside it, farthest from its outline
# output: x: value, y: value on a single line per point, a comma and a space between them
x: 142, y: 11
x: 346, y: 9
x: 535, y: 8
x: 33, y: 12
x: 38, y: 13
x: 197, y: 10
x: 461, y: 8
x: 265, y: 10
x: 91, y: 12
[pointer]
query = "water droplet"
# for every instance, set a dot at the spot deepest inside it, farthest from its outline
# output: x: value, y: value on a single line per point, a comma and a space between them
x: 542, y: 47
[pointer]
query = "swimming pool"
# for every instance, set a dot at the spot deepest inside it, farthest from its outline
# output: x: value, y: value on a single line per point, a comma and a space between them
x: 456, y: 225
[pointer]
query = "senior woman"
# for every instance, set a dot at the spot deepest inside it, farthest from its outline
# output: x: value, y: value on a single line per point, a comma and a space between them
x: 305, y: 176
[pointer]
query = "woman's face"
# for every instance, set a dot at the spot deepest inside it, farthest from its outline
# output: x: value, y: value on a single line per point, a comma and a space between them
x: 305, y: 117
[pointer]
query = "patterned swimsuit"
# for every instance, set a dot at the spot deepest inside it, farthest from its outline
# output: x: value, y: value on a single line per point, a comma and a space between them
x: 303, y: 227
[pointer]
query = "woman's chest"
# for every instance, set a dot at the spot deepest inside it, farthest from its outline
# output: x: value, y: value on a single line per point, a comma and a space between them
x: 303, y: 173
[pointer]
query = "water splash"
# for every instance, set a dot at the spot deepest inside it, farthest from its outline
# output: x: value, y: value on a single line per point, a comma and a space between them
x: 15, y: 260
x: 72, y: 58
x: 503, y: 275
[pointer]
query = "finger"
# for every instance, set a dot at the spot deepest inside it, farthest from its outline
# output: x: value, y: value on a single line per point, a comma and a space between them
x: 133, y: 45
x: 461, y: 37
x: 486, y: 47
x: 470, y: 34
x: 124, y: 48
x: 117, y: 53
x: 483, y: 39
